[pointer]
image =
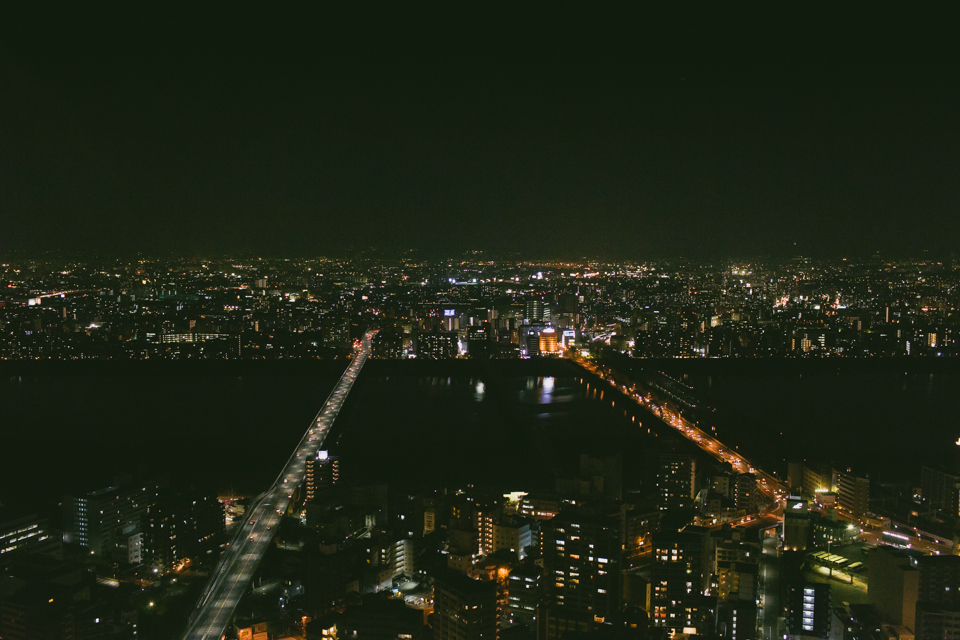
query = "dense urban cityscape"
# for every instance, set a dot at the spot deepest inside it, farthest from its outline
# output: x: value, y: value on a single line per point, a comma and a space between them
x: 682, y: 535
x: 479, y: 321
x: 474, y: 307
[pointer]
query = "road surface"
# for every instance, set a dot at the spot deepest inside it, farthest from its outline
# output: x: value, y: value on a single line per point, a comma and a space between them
x: 772, y: 488
x: 237, y: 564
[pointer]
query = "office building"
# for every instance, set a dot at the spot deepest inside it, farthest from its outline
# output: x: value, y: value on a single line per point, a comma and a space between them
x: 27, y: 535
x: 465, y: 609
x: 529, y: 335
x: 854, y: 493
x: 826, y: 533
x: 533, y: 311
x: 676, y: 480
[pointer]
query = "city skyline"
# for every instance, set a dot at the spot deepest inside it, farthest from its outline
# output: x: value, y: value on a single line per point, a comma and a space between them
x: 479, y: 322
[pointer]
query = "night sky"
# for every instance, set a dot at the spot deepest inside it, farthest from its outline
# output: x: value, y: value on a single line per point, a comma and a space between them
x: 554, y: 133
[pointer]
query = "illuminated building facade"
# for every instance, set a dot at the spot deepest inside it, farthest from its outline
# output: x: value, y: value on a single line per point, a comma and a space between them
x: 796, y: 524
x: 746, y: 496
x: 92, y: 520
x: 523, y: 596
x: 808, y: 610
x: 27, y: 535
x: 548, y: 342
x: 854, y: 493
x: 322, y: 472
x: 678, y: 581
x: 438, y: 345
x: 533, y: 311
x: 582, y: 558
x: 676, y: 480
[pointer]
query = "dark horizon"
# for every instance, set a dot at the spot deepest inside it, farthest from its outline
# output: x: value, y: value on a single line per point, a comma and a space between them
x: 622, y: 135
x: 393, y: 255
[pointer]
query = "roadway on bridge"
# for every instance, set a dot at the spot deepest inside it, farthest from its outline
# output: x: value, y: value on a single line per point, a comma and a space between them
x: 773, y: 489
x: 239, y: 562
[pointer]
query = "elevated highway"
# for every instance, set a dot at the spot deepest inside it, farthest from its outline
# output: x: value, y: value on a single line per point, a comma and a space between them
x: 238, y: 563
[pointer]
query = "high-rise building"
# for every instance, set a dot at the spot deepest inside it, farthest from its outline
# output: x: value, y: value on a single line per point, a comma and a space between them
x: 512, y: 534
x: 524, y: 596
x: 892, y: 585
x: 938, y: 601
x: 808, y: 608
x: 746, y: 496
x: 678, y: 580
x: 811, y: 480
x: 582, y: 549
x: 92, y: 520
x: 724, y: 484
x: 941, y: 489
x: 395, y: 555
x: 548, y: 341
x: 796, y: 524
x: 532, y: 344
x: 676, y: 480
x: 388, y: 343
x: 734, y: 568
x: 854, y: 493
x: 534, y: 311
x: 181, y: 526
x: 322, y: 472
x: 465, y: 609
x: 438, y: 345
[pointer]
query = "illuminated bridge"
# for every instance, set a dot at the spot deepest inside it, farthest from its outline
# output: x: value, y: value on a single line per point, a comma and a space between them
x: 232, y: 575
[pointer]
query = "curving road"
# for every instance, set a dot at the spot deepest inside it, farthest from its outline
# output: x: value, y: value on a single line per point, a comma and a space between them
x: 237, y: 564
